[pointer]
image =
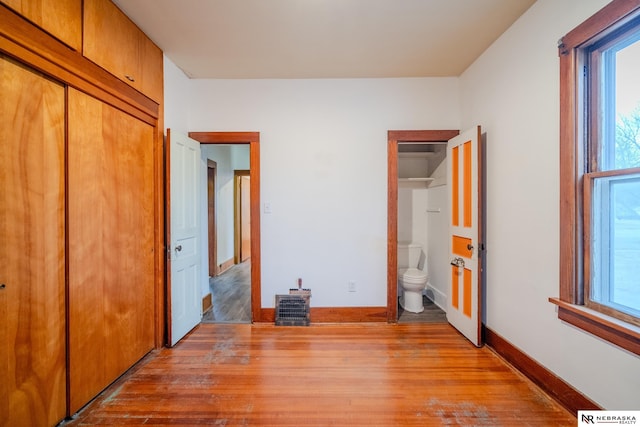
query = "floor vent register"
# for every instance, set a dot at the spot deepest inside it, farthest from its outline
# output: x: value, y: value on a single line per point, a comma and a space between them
x: 293, y: 309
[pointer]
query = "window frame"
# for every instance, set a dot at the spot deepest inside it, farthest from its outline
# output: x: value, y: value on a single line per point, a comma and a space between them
x: 574, y: 176
x: 589, y: 182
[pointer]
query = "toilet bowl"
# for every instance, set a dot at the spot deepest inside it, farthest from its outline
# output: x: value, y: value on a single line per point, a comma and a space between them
x: 411, y: 279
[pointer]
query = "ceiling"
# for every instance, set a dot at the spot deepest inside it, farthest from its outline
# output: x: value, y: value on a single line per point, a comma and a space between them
x: 242, y: 39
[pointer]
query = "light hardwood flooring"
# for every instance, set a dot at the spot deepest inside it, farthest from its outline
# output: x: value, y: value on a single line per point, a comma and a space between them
x: 341, y: 374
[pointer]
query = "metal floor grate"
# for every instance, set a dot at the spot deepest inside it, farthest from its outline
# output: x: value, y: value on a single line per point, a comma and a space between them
x: 292, y: 310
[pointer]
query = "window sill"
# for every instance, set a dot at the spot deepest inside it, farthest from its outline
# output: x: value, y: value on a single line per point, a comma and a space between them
x: 608, y: 328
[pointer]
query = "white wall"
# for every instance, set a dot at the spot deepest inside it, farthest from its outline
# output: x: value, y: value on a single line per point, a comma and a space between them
x: 177, y: 95
x: 412, y: 216
x: 405, y: 213
x: 438, y: 270
x: 323, y: 160
x: 221, y: 154
x: 513, y: 92
x: 240, y: 157
x: 178, y: 92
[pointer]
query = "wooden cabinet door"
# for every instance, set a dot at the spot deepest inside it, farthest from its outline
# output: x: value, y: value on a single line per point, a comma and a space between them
x: 32, y: 273
x: 115, y: 43
x: 60, y: 18
x: 111, y: 244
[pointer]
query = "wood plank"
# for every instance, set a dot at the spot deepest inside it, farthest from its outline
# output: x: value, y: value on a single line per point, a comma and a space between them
x: 32, y: 242
x: 61, y: 18
x: 111, y: 244
x: 362, y: 374
x: 245, y: 222
x: 336, y: 314
x: 114, y: 42
x: 20, y: 39
x: 392, y: 229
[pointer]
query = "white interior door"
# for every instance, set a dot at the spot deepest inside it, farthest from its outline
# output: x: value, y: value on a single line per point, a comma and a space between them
x: 185, y: 299
x: 465, y: 227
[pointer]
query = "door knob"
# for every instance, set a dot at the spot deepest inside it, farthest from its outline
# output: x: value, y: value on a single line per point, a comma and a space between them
x: 470, y: 247
x: 457, y: 262
x: 178, y: 248
x: 2, y: 286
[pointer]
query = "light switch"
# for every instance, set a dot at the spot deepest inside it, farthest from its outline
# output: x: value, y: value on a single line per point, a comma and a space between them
x: 267, y: 207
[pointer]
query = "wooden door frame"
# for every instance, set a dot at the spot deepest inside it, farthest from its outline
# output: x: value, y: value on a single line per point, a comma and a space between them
x: 393, y: 138
x: 211, y: 217
x: 253, y: 139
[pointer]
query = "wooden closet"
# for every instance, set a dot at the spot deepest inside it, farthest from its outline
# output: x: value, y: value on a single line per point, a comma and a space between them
x: 110, y: 229
x: 32, y: 255
x: 81, y: 258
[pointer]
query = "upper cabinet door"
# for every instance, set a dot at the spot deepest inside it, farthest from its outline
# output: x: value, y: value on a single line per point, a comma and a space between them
x: 115, y: 43
x: 60, y: 18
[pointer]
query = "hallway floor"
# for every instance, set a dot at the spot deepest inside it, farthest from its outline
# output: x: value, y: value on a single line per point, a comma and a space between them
x: 231, y: 296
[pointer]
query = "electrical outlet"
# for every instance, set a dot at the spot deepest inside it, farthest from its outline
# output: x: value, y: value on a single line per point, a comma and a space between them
x: 351, y: 286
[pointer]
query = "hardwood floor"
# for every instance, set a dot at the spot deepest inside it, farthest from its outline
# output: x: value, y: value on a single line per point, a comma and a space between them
x: 231, y: 296
x: 321, y: 375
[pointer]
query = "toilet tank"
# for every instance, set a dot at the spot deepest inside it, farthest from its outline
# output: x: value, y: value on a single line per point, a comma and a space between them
x: 409, y: 254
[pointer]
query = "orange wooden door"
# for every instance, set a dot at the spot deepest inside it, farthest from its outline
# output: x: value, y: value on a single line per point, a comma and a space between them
x: 111, y: 244
x: 245, y: 219
x: 465, y: 230
x: 32, y: 248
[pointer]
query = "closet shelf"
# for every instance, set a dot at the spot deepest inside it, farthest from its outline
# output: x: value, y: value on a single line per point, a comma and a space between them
x: 417, y: 181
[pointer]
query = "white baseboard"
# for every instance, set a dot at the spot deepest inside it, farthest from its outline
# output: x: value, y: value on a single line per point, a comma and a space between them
x: 435, y: 295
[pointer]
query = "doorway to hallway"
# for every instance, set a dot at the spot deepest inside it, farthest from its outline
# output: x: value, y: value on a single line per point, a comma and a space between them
x: 230, y: 295
x: 253, y: 140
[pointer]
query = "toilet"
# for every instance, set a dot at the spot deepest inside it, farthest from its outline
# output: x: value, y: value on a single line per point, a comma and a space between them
x: 412, y: 280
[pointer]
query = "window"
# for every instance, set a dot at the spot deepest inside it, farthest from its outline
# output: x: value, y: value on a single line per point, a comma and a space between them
x: 600, y: 175
x: 611, y: 203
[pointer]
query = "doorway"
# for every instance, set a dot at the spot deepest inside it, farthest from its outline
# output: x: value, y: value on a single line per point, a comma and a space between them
x: 394, y: 139
x: 242, y: 215
x: 211, y: 218
x: 253, y: 140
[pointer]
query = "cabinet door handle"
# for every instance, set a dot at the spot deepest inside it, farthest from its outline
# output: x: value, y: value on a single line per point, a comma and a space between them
x: 130, y: 78
x: 2, y: 286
